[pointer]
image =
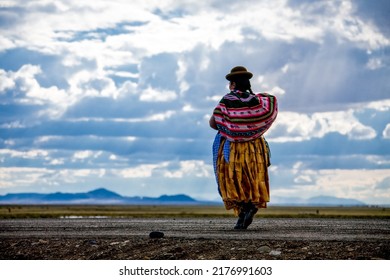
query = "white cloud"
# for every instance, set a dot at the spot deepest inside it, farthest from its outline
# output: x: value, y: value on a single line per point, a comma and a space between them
x: 102, y: 82
x: 11, y: 177
x: 285, y: 68
x: 291, y: 126
x: 214, y: 98
x: 113, y: 157
x: 157, y: 95
x: 386, y: 132
x: 6, y: 82
x: 156, y: 117
x: 379, y: 160
x: 29, y: 154
x: 80, y: 155
x: 13, y: 124
x: 359, y: 184
x: 5, y: 43
x: 188, y: 168
x: 180, y: 75
x: 354, y: 29
x: 57, y: 161
x: 303, y: 179
x: 90, y: 83
x: 277, y: 91
x: 188, y: 108
x: 141, y: 171
x: 374, y: 63
x: 71, y: 176
x: 210, y: 25
x: 384, y: 184
x: 353, y: 183
x: 27, y: 90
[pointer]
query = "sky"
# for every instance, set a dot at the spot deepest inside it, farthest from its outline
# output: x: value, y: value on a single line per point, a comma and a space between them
x: 117, y: 94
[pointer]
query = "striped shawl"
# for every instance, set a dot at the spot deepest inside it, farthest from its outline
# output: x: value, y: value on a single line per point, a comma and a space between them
x: 245, y: 117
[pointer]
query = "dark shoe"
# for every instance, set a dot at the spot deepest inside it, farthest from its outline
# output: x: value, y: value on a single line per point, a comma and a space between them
x: 240, y: 221
x: 249, y: 217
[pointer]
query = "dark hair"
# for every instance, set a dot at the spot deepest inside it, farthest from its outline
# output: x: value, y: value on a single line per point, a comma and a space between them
x: 242, y: 83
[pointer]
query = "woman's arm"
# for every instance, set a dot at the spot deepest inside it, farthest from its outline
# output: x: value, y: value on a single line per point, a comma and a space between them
x: 212, y: 123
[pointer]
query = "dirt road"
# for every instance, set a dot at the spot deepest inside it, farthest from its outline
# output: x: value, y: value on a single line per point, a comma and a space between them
x: 194, y: 238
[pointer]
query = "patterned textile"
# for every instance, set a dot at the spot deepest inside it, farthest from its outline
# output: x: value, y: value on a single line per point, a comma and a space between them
x: 241, y: 116
x: 226, y: 153
x: 244, y: 177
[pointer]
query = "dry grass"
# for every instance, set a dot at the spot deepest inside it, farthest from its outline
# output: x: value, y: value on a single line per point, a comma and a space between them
x: 151, y: 211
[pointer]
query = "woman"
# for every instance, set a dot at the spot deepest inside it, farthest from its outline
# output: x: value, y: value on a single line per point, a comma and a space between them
x: 240, y: 152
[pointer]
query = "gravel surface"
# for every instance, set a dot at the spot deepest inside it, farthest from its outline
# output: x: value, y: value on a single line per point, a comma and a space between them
x: 194, y: 238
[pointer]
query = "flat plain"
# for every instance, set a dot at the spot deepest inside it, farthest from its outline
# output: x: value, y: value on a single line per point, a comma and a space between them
x: 192, y: 232
x: 146, y: 211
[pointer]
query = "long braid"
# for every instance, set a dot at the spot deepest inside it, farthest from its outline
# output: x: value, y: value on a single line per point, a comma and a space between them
x: 250, y: 88
x: 243, y: 84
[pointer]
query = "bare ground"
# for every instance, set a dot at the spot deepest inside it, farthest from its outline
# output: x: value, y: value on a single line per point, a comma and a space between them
x: 192, y: 239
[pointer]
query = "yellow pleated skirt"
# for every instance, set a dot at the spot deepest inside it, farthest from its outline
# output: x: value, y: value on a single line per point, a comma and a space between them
x: 245, y: 177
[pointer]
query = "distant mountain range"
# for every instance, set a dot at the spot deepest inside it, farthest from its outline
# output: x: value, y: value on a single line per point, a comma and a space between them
x: 98, y: 196
x: 317, y: 201
x: 104, y: 196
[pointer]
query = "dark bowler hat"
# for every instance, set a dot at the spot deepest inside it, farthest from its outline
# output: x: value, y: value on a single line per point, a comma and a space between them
x: 238, y: 71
